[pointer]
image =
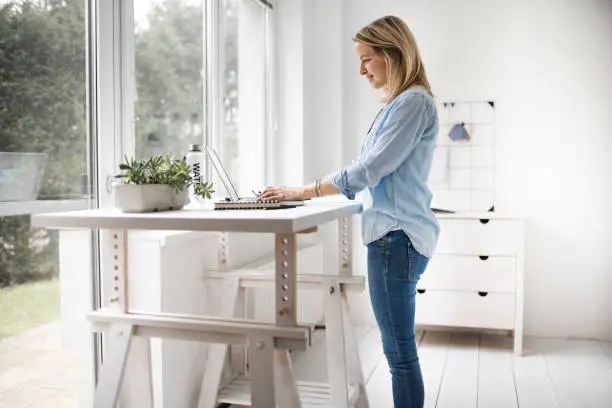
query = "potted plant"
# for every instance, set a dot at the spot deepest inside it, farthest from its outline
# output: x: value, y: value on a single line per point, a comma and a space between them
x: 158, y: 183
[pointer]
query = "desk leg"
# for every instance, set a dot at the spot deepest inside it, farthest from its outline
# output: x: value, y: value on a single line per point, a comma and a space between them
x: 261, y: 357
x: 217, y: 353
x: 286, y: 315
x: 286, y: 391
x: 286, y: 270
x: 137, y: 389
x: 355, y: 373
x: 111, y: 374
x: 336, y: 346
x: 272, y: 380
x: 114, y: 270
x: 345, y: 246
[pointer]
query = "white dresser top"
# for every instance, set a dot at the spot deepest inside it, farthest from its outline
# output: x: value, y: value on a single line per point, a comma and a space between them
x: 489, y: 215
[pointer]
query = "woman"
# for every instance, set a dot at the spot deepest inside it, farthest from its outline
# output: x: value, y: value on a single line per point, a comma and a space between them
x: 399, y: 228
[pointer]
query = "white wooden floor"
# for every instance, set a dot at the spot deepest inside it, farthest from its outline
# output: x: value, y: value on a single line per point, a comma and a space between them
x: 459, y: 370
x: 468, y: 369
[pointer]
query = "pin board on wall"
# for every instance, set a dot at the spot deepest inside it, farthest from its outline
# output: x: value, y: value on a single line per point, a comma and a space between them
x: 462, y: 177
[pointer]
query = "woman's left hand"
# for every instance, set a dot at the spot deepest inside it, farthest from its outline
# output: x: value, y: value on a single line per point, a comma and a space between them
x: 281, y: 193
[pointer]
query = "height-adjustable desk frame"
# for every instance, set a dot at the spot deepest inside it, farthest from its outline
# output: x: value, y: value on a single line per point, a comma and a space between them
x: 268, y: 342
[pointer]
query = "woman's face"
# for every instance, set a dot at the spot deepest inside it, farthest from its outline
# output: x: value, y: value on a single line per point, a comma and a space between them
x: 373, y: 65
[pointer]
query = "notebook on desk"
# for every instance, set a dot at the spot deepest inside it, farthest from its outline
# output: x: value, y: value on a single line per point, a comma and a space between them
x: 234, y: 201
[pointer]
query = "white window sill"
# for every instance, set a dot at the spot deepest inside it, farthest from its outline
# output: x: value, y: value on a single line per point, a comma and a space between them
x: 11, y: 208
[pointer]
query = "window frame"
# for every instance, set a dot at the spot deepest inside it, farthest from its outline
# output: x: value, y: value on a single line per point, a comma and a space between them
x: 93, y: 41
x: 215, y: 94
x: 111, y: 116
x: 271, y: 122
x: 213, y: 88
x: 113, y: 88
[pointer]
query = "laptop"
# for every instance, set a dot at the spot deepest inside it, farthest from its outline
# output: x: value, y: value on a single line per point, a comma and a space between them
x: 234, y: 201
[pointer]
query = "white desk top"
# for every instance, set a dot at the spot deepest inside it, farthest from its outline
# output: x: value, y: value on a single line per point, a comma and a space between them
x: 289, y: 220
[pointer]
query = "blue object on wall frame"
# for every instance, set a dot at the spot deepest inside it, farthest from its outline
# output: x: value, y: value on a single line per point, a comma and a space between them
x: 459, y: 133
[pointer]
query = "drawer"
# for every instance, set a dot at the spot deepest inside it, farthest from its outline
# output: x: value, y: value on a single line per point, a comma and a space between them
x: 471, y: 273
x: 479, y: 236
x: 465, y: 309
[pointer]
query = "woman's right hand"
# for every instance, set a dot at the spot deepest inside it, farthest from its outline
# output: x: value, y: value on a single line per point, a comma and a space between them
x: 282, y: 193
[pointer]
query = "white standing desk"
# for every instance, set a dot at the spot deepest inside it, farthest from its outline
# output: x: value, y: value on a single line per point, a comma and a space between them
x: 268, y: 343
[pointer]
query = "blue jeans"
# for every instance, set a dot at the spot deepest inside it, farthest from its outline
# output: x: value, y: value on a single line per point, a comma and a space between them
x: 394, y: 268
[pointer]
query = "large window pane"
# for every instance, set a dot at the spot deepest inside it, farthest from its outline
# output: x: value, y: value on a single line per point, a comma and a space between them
x: 44, y: 166
x: 170, y: 76
x: 42, y: 99
x: 243, y: 139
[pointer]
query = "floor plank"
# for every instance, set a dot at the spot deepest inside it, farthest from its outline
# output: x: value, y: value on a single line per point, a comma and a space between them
x: 361, y: 331
x: 370, y: 352
x: 24, y: 397
x: 433, y: 351
x: 604, y: 384
x: 560, y: 367
x: 607, y: 349
x: 597, y: 378
x: 459, y: 387
x: 378, y: 386
x: 578, y: 371
x: 496, y: 387
x: 533, y: 384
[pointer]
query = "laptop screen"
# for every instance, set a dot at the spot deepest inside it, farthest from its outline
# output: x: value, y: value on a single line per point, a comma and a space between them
x: 229, y: 187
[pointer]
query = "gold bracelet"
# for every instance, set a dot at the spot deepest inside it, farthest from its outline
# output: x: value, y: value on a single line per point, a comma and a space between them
x: 318, y: 187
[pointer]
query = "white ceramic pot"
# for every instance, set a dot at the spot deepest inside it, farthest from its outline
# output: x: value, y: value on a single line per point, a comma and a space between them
x: 139, y: 198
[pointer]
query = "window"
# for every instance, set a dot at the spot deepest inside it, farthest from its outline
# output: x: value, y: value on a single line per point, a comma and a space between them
x: 169, y: 51
x: 202, y: 75
x: 45, y: 160
x: 44, y: 144
x: 244, y: 141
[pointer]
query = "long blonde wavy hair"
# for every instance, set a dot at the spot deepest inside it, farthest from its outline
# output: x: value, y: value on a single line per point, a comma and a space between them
x: 391, y: 38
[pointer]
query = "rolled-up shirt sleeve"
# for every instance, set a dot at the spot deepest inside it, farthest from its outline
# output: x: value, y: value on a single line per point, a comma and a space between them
x: 402, y: 130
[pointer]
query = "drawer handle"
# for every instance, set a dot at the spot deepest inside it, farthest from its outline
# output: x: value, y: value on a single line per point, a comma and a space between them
x: 484, y: 220
x: 421, y: 290
x: 483, y: 257
x: 483, y: 294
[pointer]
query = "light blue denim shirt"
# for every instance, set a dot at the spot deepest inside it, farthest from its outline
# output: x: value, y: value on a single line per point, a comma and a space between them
x: 392, y: 171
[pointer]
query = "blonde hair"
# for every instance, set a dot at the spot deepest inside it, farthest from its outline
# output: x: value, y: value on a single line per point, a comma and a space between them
x: 391, y: 37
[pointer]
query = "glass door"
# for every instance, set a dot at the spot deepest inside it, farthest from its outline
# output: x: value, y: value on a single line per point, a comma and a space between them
x: 48, y: 163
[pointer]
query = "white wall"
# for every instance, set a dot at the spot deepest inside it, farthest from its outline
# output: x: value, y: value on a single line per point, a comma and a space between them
x: 548, y: 66
x: 309, y: 123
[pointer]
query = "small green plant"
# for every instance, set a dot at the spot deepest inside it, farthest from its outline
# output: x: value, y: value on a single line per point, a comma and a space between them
x: 162, y: 169
x: 204, y: 190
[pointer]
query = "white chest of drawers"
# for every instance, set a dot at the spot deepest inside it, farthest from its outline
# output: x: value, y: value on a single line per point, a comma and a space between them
x: 475, y: 277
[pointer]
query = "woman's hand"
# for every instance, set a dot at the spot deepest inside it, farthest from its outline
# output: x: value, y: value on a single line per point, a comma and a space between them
x: 281, y: 193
